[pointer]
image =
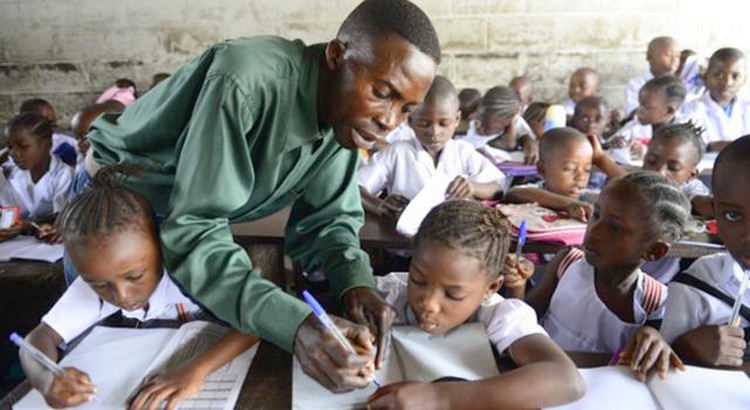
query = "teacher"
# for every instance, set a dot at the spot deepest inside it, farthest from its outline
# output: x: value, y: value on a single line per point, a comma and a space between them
x: 255, y: 125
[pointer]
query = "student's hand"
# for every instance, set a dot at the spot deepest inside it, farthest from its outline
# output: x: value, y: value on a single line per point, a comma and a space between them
x: 713, y: 345
x: 618, y: 141
x: 516, y: 274
x: 647, y: 351
x: 367, y: 307
x: 407, y: 395
x: 392, y: 206
x: 12, y: 232
x: 579, y: 210
x: 325, y: 360
x: 459, y: 188
x: 83, y: 145
x: 530, y: 151
x: 172, y: 388
x: 71, y: 389
x: 637, y: 150
x: 615, y: 117
x: 48, y: 233
x: 597, y: 146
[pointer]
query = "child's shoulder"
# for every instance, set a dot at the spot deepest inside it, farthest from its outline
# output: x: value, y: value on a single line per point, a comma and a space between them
x: 714, y: 269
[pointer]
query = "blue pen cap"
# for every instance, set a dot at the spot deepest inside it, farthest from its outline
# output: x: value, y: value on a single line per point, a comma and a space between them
x: 522, y: 233
x: 317, y: 309
x: 14, y: 337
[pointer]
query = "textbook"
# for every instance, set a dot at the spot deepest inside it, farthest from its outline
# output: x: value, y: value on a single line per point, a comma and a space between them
x: 415, y: 355
x: 431, y: 195
x: 31, y: 248
x: 119, y: 359
x: 615, y: 387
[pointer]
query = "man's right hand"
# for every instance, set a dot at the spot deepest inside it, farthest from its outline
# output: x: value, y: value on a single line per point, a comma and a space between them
x: 329, y: 363
x: 71, y: 389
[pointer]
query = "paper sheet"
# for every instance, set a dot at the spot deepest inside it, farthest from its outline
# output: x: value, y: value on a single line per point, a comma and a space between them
x: 415, y: 355
x: 29, y: 247
x: 429, y: 197
x: 118, y: 360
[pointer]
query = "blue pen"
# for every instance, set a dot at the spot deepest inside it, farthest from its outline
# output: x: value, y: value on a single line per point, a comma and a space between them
x: 40, y: 357
x: 326, y: 320
x: 521, y: 240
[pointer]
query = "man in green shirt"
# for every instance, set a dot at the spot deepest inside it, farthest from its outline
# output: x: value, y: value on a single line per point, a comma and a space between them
x: 254, y: 125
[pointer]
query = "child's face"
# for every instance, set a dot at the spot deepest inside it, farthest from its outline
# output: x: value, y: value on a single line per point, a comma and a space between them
x: 732, y: 210
x: 375, y: 85
x: 26, y: 149
x: 446, y: 286
x: 492, y: 124
x: 616, y: 236
x: 724, y: 79
x: 653, y: 107
x: 673, y: 158
x: 568, y: 168
x: 582, y: 85
x: 664, y: 60
x: 124, y: 270
x: 435, y: 124
x: 50, y: 115
x: 524, y: 91
x: 590, y: 121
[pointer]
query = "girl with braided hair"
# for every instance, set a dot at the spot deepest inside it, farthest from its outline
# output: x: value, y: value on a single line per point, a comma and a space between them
x: 457, y: 267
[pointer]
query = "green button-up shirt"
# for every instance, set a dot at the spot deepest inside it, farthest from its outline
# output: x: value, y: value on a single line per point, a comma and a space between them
x: 234, y: 136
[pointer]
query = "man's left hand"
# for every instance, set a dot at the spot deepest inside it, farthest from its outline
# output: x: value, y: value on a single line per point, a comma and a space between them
x: 365, y: 306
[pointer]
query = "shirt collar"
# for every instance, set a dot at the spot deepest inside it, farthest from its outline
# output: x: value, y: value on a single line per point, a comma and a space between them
x: 157, y: 303
x: 308, y: 128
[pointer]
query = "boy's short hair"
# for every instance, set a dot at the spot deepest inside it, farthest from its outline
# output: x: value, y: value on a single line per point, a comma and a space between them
x: 440, y: 90
x: 674, y: 88
x: 725, y: 54
x: 687, y: 132
x: 732, y: 156
x: 501, y: 100
x: 659, y: 43
x: 556, y: 138
x: 593, y: 101
x: 34, y: 105
x: 468, y: 100
x: 400, y: 17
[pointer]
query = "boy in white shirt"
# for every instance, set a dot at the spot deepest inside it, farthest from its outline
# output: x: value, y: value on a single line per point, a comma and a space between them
x: 405, y: 167
x: 725, y: 115
x: 584, y: 82
x: 663, y: 56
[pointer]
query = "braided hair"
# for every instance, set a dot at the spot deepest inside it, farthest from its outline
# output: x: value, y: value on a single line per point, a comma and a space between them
x: 479, y: 231
x: 34, y: 123
x: 500, y: 101
x: 665, y: 208
x: 106, y: 208
x: 688, y: 133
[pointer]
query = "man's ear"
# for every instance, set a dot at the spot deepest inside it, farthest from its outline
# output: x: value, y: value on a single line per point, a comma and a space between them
x: 335, y: 54
x: 656, y: 251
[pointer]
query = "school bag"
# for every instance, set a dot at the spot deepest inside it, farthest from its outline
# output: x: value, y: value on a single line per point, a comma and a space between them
x: 544, y: 225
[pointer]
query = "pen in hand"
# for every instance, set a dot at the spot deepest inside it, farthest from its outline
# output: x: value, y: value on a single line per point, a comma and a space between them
x: 327, y: 322
x: 521, y: 240
x: 735, y: 318
x: 40, y: 357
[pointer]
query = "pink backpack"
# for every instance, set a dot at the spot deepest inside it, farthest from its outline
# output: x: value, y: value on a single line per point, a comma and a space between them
x: 544, y: 225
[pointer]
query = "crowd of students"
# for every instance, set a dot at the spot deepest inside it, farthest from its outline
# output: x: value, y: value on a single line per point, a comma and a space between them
x: 632, y: 178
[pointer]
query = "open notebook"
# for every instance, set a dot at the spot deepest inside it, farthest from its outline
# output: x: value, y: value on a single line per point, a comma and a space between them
x: 29, y: 247
x: 118, y: 360
x: 415, y: 355
x: 615, y: 387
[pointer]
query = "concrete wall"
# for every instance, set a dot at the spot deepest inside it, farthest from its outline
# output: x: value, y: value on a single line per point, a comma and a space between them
x: 68, y: 51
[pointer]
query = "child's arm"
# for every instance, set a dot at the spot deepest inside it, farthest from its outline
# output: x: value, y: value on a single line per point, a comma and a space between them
x: 703, y: 205
x: 573, y: 208
x: 71, y: 389
x: 390, y: 207
x: 188, y: 380
x: 530, y: 150
x: 647, y: 351
x: 461, y: 188
x: 712, y: 345
x: 12, y: 232
x: 545, y: 377
x: 539, y: 296
x: 602, y: 161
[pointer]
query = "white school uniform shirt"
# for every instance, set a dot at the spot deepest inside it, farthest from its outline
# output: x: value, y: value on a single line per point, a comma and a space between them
x: 405, y: 167
x: 570, y: 107
x: 80, y: 307
x: 634, y: 130
x: 506, y: 320
x: 719, y: 126
x: 631, y: 92
x: 58, y: 139
x: 578, y: 320
x: 688, y: 308
x: 692, y: 76
x: 403, y: 132
x: 479, y: 141
x: 694, y: 187
x: 46, y: 197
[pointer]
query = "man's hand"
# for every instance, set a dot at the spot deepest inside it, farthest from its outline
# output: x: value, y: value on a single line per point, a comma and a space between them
x: 392, y: 206
x: 365, y: 306
x: 713, y: 345
x: 324, y: 359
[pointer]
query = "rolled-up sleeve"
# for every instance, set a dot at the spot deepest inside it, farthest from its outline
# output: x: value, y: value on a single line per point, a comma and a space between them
x: 214, y: 177
x: 324, y: 226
